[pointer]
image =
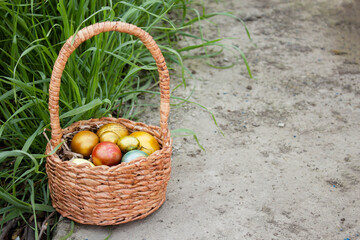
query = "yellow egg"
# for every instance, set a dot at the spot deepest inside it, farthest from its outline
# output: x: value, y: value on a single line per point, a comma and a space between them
x: 148, y: 143
x: 82, y: 161
x: 117, y: 128
x: 109, y: 137
x: 128, y: 143
x: 83, y: 142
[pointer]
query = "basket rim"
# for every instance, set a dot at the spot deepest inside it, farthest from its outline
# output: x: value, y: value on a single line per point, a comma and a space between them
x: 165, y: 148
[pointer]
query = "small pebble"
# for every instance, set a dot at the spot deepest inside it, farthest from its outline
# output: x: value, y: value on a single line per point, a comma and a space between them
x: 294, y: 136
x: 281, y: 124
x: 249, y: 87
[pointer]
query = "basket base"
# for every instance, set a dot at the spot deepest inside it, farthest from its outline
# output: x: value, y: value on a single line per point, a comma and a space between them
x: 110, y: 222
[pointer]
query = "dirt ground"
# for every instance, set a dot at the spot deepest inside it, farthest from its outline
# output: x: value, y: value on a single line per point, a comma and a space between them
x: 288, y: 164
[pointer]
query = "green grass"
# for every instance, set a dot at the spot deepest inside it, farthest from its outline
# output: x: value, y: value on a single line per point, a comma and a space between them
x: 104, y: 77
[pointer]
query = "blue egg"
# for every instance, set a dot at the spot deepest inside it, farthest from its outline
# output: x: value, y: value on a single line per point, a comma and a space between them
x: 131, y: 155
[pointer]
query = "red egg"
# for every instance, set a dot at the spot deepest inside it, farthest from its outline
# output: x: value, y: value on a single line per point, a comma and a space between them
x: 106, y: 153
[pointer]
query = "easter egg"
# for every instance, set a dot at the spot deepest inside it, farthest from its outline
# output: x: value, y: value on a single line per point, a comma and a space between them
x: 128, y: 143
x: 116, y: 128
x: 79, y: 161
x: 83, y: 142
x: 109, y: 137
x: 148, y: 143
x: 132, y: 155
x: 106, y: 153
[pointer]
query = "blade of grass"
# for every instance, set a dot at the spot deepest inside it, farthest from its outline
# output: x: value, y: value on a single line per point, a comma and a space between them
x: 25, y: 148
x: 181, y: 132
x: 94, y: 103
x: 32, y: 199
x: 72, y: 226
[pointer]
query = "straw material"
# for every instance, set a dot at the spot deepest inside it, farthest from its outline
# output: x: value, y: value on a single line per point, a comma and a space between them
x: 105, y: 195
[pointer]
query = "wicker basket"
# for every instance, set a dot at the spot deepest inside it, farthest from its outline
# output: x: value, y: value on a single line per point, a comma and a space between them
x: 105, y: 195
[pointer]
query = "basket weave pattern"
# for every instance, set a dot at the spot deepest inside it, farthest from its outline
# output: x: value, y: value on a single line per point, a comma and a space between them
x: 105, y: 195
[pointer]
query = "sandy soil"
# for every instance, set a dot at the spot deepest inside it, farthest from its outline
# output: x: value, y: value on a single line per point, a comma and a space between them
x: 288, y: 165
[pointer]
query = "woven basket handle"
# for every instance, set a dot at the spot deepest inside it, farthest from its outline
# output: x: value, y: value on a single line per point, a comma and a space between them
x: 87, y: 33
